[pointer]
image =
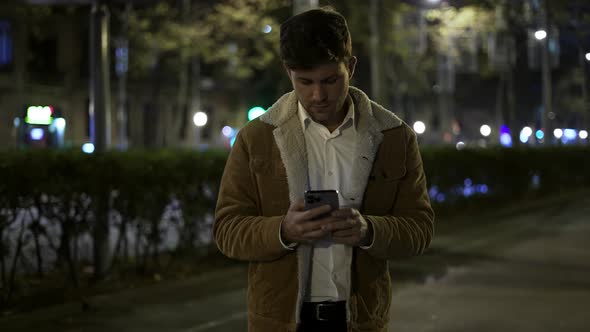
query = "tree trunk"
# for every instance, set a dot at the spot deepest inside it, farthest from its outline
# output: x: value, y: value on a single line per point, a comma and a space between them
x: 511, y: 103
x: 499, y: 105
x: 375, y: 54
x: 38, y: 255
x: 101, y: 236
x: 176, y: 122
x: 2, y: 263
x: 152, y: 110
x: 19, y: 245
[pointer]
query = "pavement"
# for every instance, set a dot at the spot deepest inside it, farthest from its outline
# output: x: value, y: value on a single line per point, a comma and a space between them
x: 525, y: 273
x: 524, y: 268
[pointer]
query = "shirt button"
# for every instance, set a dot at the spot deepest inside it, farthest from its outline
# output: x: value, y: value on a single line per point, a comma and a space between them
x: 330, y: 173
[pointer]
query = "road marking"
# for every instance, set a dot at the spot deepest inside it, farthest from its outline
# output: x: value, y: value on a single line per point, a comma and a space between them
x: 216, y: 323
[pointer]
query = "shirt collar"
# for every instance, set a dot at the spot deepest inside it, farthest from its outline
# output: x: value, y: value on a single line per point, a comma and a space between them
x: 306, y: 119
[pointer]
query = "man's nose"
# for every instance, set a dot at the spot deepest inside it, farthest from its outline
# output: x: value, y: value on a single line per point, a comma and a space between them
x: 319, y: 93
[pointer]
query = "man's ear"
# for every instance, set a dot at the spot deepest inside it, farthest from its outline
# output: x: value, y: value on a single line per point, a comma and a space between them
x: 351, y: 66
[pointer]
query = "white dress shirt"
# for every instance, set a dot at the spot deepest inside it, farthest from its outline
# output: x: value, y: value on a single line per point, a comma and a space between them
x: 330, y: 157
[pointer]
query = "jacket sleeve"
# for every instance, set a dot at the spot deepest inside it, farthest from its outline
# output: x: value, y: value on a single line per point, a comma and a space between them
x: 409, y: 227
x: 239, y: 230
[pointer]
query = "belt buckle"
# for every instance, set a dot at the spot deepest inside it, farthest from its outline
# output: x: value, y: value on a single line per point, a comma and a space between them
x: 317, y: 311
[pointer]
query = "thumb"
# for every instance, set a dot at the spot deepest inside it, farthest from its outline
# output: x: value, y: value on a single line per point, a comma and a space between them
x: 297, y: 205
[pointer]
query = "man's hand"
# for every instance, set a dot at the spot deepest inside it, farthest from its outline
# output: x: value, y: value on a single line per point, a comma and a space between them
x: 350, y: 228
x: 299, y: 226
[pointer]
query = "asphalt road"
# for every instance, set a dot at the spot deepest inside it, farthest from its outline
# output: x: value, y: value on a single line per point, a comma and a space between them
x: 512, y: 270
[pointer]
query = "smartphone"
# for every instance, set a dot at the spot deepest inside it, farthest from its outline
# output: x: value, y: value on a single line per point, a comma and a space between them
x: 315, y: 198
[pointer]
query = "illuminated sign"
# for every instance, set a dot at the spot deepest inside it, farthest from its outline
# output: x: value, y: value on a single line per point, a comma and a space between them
x: 39, y: 115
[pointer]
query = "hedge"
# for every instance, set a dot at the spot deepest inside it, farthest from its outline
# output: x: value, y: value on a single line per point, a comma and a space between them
x: 51, y: 200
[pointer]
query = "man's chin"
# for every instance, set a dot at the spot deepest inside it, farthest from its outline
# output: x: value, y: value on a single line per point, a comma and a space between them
x: 319, y: 117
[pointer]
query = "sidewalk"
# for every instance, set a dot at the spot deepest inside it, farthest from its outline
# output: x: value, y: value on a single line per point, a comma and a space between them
x: 166, y: 305
x: 485, y: 270
x: 532, y: 274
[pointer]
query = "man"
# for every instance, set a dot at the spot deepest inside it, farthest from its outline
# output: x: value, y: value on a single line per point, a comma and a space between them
x: 328, y: 273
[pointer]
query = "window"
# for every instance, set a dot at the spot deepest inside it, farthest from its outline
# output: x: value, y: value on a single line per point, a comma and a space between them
x: 5, y: 45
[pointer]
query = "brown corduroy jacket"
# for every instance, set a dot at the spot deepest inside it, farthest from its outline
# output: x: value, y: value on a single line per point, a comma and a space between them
x: 266, y: 170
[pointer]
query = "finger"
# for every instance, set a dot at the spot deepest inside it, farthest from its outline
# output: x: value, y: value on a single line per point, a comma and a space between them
x: 343, y: 213
x: 312, y: 225
x: 315, y: 212
x: 297, y: 205
x: 315, y: 235
x: 342, y: 224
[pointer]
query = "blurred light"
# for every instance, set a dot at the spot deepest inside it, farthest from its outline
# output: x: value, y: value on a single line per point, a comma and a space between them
x: 232, y: 48
x: 468, y: 182
x: 456, y: 128
x: 16, y: 122
x: 468, y: 191
x: 37, y: 134
x: 200, y: 119
x: 227, y: 131
x: 504, y: 130
x: 233, y: 140
x: 440, y: 198
x: 506, y: 140
x: 483, y: 188
x: 583, y: 134
x: 536, y: 181
x: 551, y: 116
x: 558, y: 133
x: 267, y: 29
x: 419, y: 127
x: 255, y: 112
x: 540, y: 34
x: 527, y: 131
x: 485, y: 130
x: 570, y: 134
x: 588, y: 56
x: 460, y: 145
x: 433, y: 1
x: 539, y: 134
x: 525, y: 134
x: 88, y: 148
x: 41, y: 115
x: 433, y: 191
x: 60, y: 124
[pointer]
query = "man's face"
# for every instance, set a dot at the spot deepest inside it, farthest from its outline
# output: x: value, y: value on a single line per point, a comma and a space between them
x: 322, y: 90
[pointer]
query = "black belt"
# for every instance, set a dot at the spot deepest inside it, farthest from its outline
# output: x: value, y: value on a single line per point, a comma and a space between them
x: 323, y: 312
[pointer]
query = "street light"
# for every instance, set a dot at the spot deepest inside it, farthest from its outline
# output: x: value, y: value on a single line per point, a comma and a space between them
x: 588, y: 56
x: 200, y: 119
x: 485, y: 130
x: 419, y: 127
x: 540, y: 34
x: 583, y: 134
x: 558, y: 133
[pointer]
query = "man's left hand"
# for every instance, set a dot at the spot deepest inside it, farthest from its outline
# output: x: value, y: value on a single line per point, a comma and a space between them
x: 351, y: 228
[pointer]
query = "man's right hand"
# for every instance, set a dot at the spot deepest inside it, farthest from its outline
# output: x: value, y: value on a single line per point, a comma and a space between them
x: 299, y: 225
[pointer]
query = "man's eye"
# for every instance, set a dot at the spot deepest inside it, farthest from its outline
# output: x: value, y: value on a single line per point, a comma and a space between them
x: 305, y: 82
x: 331, y: 81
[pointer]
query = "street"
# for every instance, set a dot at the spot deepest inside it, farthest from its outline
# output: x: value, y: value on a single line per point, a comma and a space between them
x: 517, y: 269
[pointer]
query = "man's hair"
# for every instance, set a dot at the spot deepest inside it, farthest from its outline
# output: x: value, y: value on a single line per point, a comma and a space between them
x: 315, y: 37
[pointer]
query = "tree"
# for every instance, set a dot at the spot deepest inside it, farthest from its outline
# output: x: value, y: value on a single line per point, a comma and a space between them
x: 236, y: 37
